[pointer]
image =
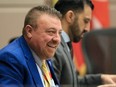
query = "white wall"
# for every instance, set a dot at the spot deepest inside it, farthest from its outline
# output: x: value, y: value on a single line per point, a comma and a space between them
x: 12, y: 13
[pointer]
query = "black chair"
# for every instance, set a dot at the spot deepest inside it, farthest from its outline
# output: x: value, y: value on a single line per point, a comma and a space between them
x: 99, y: 47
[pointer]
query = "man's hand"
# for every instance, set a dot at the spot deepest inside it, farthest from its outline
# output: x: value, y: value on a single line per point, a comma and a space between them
x: 108, y: 85
x: 108, y: 79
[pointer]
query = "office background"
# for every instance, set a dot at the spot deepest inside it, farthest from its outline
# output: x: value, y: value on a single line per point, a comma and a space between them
x: 12, y: 13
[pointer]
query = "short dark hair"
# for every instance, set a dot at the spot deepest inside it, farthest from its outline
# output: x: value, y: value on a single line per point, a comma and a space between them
x: 65, y: 5
x: 89, y: 2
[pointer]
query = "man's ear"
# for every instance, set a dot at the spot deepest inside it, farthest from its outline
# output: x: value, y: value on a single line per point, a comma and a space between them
x: 28, y: 30
x: 69, y: 16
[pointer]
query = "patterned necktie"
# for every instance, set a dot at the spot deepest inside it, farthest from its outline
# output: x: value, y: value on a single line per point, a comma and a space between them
x: 46, y: 74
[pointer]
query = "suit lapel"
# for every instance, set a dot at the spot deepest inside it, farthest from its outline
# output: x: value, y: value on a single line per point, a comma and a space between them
x: 69, y: 58
x: 35, y: 74
x: 31, y: 63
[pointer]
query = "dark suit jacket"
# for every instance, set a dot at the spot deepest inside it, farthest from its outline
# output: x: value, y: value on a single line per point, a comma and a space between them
x: 66, y: 71
x: 18, y: 68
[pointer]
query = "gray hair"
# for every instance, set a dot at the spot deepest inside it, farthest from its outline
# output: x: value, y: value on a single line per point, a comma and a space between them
x: 36, y: 12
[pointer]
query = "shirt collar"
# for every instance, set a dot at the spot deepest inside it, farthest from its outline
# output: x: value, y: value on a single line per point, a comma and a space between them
x: 37, y: 59
x: 65, y: 36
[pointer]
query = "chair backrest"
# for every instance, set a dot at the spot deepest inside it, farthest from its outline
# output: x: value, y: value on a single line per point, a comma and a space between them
x: 99, y: 46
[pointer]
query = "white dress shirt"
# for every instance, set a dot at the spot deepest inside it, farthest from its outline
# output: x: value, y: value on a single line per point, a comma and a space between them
x: 39, y: 64
x: 66, y: 38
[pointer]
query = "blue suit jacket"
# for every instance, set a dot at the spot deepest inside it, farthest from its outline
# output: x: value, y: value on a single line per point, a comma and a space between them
x: 18, y: 68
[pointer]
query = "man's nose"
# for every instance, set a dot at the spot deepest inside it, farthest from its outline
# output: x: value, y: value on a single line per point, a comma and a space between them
x: 87, y: 27
x: 57, y: 38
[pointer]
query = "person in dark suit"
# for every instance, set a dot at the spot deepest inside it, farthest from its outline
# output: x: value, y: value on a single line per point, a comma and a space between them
x: 12, y: 39
x: 76, y: 16
x: 21, y: 60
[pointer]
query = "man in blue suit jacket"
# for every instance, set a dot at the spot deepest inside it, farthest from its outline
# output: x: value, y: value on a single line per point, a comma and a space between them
x: 21, y: 60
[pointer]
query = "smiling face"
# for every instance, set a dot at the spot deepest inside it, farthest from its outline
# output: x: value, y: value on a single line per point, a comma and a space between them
x: 45, y: 39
